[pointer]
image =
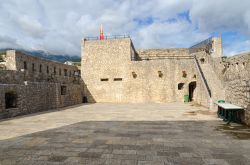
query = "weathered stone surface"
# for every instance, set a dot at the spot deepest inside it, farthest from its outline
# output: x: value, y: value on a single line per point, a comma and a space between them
x: 164, y: 135
x: 37, y: 89
x: 153, y: 80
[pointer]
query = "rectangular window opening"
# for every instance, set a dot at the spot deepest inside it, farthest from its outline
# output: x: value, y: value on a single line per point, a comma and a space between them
x: 117, y: 79
x: 25, y: 65
x: 10, y: 100
x: 40, y: 68
x: 63, y: 90
x: 65, y: 72
x: 104, y: 79
x: 33, y: 67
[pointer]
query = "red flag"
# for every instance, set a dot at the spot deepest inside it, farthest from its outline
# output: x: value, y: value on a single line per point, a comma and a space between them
x: 101, y: 33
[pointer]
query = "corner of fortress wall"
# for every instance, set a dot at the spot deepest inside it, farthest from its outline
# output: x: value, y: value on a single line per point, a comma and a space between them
x: 217, y: 47
x: 228, y: 77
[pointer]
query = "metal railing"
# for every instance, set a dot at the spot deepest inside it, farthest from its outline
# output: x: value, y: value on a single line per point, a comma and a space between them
x: 107, y: 37
x: 202, y: 76
x: 203, y: 43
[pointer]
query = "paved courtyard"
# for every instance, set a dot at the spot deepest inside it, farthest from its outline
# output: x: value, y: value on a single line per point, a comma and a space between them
x: 119, y: 134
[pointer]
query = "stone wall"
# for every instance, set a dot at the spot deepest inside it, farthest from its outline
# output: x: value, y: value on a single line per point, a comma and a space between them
x: 231, y: 77
x: 38, y: 69
x: 162, y: 53
x: 36, y: 97
x: 37, y: 85
x: 111, y: 75
x: 236, y: 74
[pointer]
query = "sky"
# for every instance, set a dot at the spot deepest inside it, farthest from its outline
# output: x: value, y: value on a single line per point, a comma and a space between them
x: 57, y: 26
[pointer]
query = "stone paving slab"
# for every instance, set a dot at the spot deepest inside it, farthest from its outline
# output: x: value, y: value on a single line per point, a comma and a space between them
x: 155, y: 138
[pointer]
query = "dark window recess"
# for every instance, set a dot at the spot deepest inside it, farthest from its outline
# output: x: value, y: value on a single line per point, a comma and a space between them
x: 65, y: 72
x: 47, y: 69
x: 60, y: 71
x: 117, y: 79
x: 24, y: 65
x: 104, y: 79
x: 33, y: 67
x: 63, y: 90
x: 40, y: 68
x: 10, y: 100
x: 160, y: 74
x: 184, y: 74
x: 54, y: 70
x: 69, y: 73
x: 202, y: 60
x: 134, y: 74
x: 180, y: 86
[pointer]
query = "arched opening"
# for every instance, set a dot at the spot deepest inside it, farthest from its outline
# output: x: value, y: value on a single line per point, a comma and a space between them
x: 191, y: 89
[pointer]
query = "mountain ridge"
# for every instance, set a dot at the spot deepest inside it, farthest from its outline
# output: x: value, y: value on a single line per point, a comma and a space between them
x: 47, y: 55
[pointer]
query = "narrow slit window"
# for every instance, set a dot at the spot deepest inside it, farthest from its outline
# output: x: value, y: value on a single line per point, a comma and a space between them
x: 25, y: 65
x: 104, y: 79
x: 40, y: 68
x: 33, y: 67
x: 117, y: 79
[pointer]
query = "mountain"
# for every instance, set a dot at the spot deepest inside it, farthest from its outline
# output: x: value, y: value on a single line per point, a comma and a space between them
x: 49, y: 56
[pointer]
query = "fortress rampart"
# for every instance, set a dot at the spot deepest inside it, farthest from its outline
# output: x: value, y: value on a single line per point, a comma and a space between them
x: 112, y: 70
x: 111, y: 74
x: 30, y: 84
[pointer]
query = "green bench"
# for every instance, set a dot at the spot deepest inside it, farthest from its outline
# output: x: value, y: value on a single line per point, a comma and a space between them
x: 229, y: 112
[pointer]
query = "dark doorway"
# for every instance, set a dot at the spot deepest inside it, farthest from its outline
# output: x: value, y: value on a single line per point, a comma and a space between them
x: 10, y: 100
x: 191, y: 88
x: 85, y: 99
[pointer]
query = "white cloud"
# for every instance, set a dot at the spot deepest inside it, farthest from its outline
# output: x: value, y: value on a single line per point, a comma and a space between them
x: 220, y: 15
x: 30, y: 26
x: 58, y: 26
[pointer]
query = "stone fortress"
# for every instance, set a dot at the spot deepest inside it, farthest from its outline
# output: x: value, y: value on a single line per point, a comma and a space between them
x: 112, y: 70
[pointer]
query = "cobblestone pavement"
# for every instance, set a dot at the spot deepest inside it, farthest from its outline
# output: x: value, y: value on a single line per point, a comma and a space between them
x: 120, y: 134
